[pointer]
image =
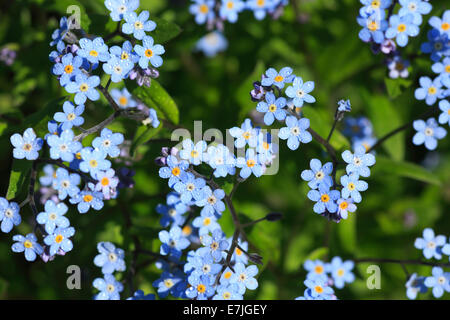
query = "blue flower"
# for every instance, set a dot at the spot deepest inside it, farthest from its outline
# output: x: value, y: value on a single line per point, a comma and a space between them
x: 211, y: 201
x: 118, y: 68
x: 125, y: 53
x: 238, y: 255
x: 430, y: 90
x: 110, y: 259
x: 84, y: 88
x: 230, y: 8
x: 108, y: 142
x: 28, y: 245
x: 140, y: 295
x: 374, y: 25
x: 440, y: 281
x: 173, y: 242
x: 319, y: 289
x: 430, y: 244
x: 250, y: 164
x: 400, y: 28
x: 53, y: 216
x: 63, y: 147
x: 214, y: 244
x: 444, y: 117
x: 344, y: 106
x: 415, y: 7
x: 68, y: 68
x: 174, y: 171
x: 26, y: 146
x: 194, y: 153
x: 261, y: 7
x: 228, y: 292
x: 299, y: 92
x: 428, y: 132
x: 442, y: 68
x: 93, y: 50
x: 167, y: 283
x: 295, y: 132
x: 244, y: 277
x: 360, y: 127
x: 437, y: 45
x: 86, y: 200
x: 93, y: 160
x: 123, y: 98
x: 272, y: 77
x: 318, y: 174
x: 273, y: 108
x: 9, y: 215
x: 109, y: 288
x: 149, y: 52
x: 316, y: 269
x: 201, y: 287
x: 341, y: 271
x: 152, y: 119
x: 59, y: 239
x: 71, y: 115
x: 204, y: 265
x: 221, y: 160
x: 66, y: 183
x: 138, y: 25
x: 203, y: 10
x: 358, y: 162
x: 60, y: 33
x: 246, y: 134
x: 414, y: 285
x: 119, y: 8
x: 443, y: 25
x: 377, y: 5
x: 189, y: 187
x: 50, y: 174
x: 325, y: 199
x: 173, y: 211
x: 352, y: 187
x: 212, y: 43
x: 206, y: 224
x: 107, y: 183
x: 344, y: 207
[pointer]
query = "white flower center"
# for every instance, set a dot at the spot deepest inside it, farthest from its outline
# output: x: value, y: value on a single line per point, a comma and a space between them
x: 112, y: 257
x: 9, y: 213
x: 428, y: 132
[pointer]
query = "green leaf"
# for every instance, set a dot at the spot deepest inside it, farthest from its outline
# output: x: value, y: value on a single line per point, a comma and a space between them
x: 405, y: 169
x: 318, y: 253
x: 20, y: 173
x: 157, y: 97
x: 243, y: 92
x: 395, y: 87
x: 143, y: 134
x: 164, y: 31
x: 346, y: 231
x: 385, y: 118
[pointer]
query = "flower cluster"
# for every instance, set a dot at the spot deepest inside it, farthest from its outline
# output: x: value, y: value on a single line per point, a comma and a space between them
x: 437, y: 89
x: 386, y: 30
x: 433, y: 247
x: 76, y: 64
x: 214, y: 13
x: 360, y: 131
x: 322, y: 276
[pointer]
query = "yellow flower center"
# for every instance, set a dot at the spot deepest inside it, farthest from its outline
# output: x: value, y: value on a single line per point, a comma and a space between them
x: 401, y: 27
x: 340, y: 272
x: 176, y: 171
x: 59, y: 238
x: 104, y: 181
x: 375, y: 4
x: 84, y: 87
x: 372, y: 25
x: 168, y: 283
x: 246, y: 135
x: 278, y: 78
x: 251, y: 163
x: 272, y: 108
x: 201, y: 288
x: 71, y: 116
x: 266, y: 146
x: 238, y: 251
x: 318, y: 269
x: 148, y: 53
x: 325, y: 198
x: 351, y: 186
x: 203, y: 8
x: 432, y: 90
x: 93, y: 163
x: 27, y: 147
x: 78, y: 155
x: 93, y: 53
x: 138, y: 25
x: 110, y: 288
x: 318, y: 289
x: 124, y: 56
x: 445, y: 26
x: 88, y: 198
x: 194, y: 153
x: 187, y: 230
x: 68, y: 69
x: 447, y: 68
x: 343, y: 205
x: 226, y: 295
x: 230, y: 5
x: 227, y: 275
x: 207, y: 222
x: 28, y: 244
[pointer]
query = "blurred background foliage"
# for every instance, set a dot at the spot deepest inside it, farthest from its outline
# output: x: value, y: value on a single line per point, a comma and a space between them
x: 319, y: 40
